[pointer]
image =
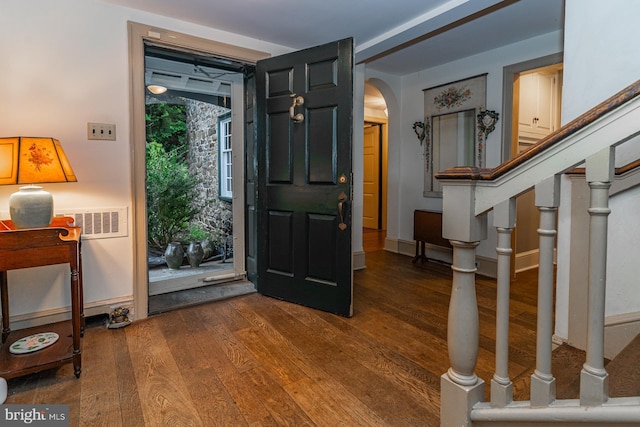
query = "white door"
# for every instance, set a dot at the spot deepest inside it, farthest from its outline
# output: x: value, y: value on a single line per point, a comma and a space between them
x: 371, y: 180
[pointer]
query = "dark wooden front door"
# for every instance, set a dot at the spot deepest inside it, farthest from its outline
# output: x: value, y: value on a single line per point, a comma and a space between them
x: 304, y: 176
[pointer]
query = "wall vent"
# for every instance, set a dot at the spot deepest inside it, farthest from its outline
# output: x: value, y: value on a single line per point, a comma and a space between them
x: 99, y: 223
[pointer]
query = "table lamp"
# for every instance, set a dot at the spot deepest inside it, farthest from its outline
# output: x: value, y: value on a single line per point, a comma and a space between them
x: 29, y: 160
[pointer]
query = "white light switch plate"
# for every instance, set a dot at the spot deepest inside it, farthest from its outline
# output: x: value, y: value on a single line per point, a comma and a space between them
x: 101, y: 131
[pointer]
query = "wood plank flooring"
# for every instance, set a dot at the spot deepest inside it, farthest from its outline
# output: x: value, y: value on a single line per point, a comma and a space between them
x: 257, y: 361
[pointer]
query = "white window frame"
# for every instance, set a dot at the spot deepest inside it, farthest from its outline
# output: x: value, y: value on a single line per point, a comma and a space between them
x: 225, y: 156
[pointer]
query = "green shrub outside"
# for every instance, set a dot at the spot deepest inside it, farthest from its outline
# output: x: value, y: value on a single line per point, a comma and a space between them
x: 171, y: 199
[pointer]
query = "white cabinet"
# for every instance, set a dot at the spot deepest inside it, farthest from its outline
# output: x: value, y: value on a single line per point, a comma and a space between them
x: 538, y: 114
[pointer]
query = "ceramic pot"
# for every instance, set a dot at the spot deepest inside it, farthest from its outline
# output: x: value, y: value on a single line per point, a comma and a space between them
x: 195, y: 254
x: 173, y: 255
x: 31, y: 207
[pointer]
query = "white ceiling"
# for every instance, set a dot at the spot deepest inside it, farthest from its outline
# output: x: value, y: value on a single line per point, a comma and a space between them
x: 397, y: 37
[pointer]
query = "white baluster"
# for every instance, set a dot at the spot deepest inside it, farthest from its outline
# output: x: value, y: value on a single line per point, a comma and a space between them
x: 543, y: 384
x: 594, y: 380
x: 504, y: 221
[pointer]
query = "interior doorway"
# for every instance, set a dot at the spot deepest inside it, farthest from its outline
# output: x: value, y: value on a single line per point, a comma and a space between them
x: 537, y: 98
x: 375, y: 151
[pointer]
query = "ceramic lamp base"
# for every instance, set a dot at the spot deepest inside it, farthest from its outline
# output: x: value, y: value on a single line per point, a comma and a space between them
x: 31, y: 207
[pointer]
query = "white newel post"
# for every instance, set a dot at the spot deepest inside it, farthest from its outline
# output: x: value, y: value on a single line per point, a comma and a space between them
x: 460, y: 388
x: 463, y: 326
x: 594, y: 380
x: 543, y: 384
x: 504, y: 219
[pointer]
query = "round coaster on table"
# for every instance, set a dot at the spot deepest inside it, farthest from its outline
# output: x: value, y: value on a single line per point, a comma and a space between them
x: 33, y: 343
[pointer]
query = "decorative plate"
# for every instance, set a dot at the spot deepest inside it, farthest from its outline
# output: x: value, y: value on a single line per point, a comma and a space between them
x: 33, y: 343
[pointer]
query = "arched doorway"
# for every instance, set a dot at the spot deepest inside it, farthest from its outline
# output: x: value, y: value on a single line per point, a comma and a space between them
x: 374, y: 212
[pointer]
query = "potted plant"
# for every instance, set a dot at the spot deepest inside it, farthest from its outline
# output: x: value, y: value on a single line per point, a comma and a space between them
x: 195, y: 250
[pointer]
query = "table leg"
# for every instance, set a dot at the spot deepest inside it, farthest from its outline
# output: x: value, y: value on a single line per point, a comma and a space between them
x: 81, y: 288
x: 76, y: 321
x: 3, y: 390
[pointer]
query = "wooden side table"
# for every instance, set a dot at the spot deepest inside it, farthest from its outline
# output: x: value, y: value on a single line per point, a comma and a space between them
x: 427, y: 228
x: 57, y: 244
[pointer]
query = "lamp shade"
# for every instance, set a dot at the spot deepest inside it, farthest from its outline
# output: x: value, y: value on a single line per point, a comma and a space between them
x: 29, y: 160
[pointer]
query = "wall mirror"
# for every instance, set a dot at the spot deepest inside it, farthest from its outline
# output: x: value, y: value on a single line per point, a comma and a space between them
x: 454, y: 128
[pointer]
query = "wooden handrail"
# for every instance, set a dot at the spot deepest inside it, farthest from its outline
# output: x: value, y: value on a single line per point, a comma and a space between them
x: 617, y: 172
x: 489, y: 174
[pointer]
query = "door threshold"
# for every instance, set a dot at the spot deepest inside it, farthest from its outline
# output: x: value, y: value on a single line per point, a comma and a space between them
x: 163, y: 279
x: 204, y: 294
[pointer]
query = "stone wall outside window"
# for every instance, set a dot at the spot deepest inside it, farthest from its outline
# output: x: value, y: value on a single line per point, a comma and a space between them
x: 202, y: 130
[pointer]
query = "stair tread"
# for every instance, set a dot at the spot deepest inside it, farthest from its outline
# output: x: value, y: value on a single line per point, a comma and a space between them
x: 567, y: 361
x: 624, y: 371
x: 566, y: 364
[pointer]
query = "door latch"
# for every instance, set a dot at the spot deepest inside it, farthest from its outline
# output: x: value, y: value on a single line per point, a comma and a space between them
x: 342, y: 199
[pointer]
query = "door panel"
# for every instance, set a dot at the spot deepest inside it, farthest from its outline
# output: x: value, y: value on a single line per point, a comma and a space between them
x: 251, y: 224
x: 371, y: 179
x: 304, y: 182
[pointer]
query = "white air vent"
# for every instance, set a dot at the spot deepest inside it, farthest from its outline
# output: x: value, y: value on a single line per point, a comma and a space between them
x: 99, y: 223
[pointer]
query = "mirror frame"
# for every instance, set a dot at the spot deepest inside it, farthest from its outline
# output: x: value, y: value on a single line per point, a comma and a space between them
x: 454, y: 97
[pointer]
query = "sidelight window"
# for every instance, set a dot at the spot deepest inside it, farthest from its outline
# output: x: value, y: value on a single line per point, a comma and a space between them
x: 226, y: 160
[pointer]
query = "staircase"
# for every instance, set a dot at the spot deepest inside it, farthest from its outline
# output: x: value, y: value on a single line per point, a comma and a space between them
x: 624, y: 371
x: 567, y: 386
x: 566, y: 363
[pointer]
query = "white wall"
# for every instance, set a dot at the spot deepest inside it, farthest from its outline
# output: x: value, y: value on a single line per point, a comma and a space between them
x: 406, y: 154
x: 65, y: 63
x: 601, y: 45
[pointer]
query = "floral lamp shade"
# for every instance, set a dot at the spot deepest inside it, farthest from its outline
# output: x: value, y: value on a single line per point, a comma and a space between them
x: 30, y: 160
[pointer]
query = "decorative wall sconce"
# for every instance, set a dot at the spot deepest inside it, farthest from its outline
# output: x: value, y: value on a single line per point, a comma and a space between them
x: 420, y: 129
x: 487, y: 120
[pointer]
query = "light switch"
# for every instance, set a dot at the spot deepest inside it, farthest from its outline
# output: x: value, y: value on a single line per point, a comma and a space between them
x: 103, y: 131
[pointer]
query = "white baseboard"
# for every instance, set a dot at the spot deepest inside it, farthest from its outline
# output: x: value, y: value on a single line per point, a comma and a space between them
x: 391, y: 245
x: 406, y: 247
x: 487, y: 266
x: 527, y: 260
x: 358, y: 260
x: 619, y: 330
x: 44, y: 317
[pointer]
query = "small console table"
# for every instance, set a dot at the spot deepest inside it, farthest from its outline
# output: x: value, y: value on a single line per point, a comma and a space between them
x: 427, y: 228
x: 57, y: 244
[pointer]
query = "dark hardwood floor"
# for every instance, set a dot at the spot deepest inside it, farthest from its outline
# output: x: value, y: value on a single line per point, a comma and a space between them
x: 253, y: 360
